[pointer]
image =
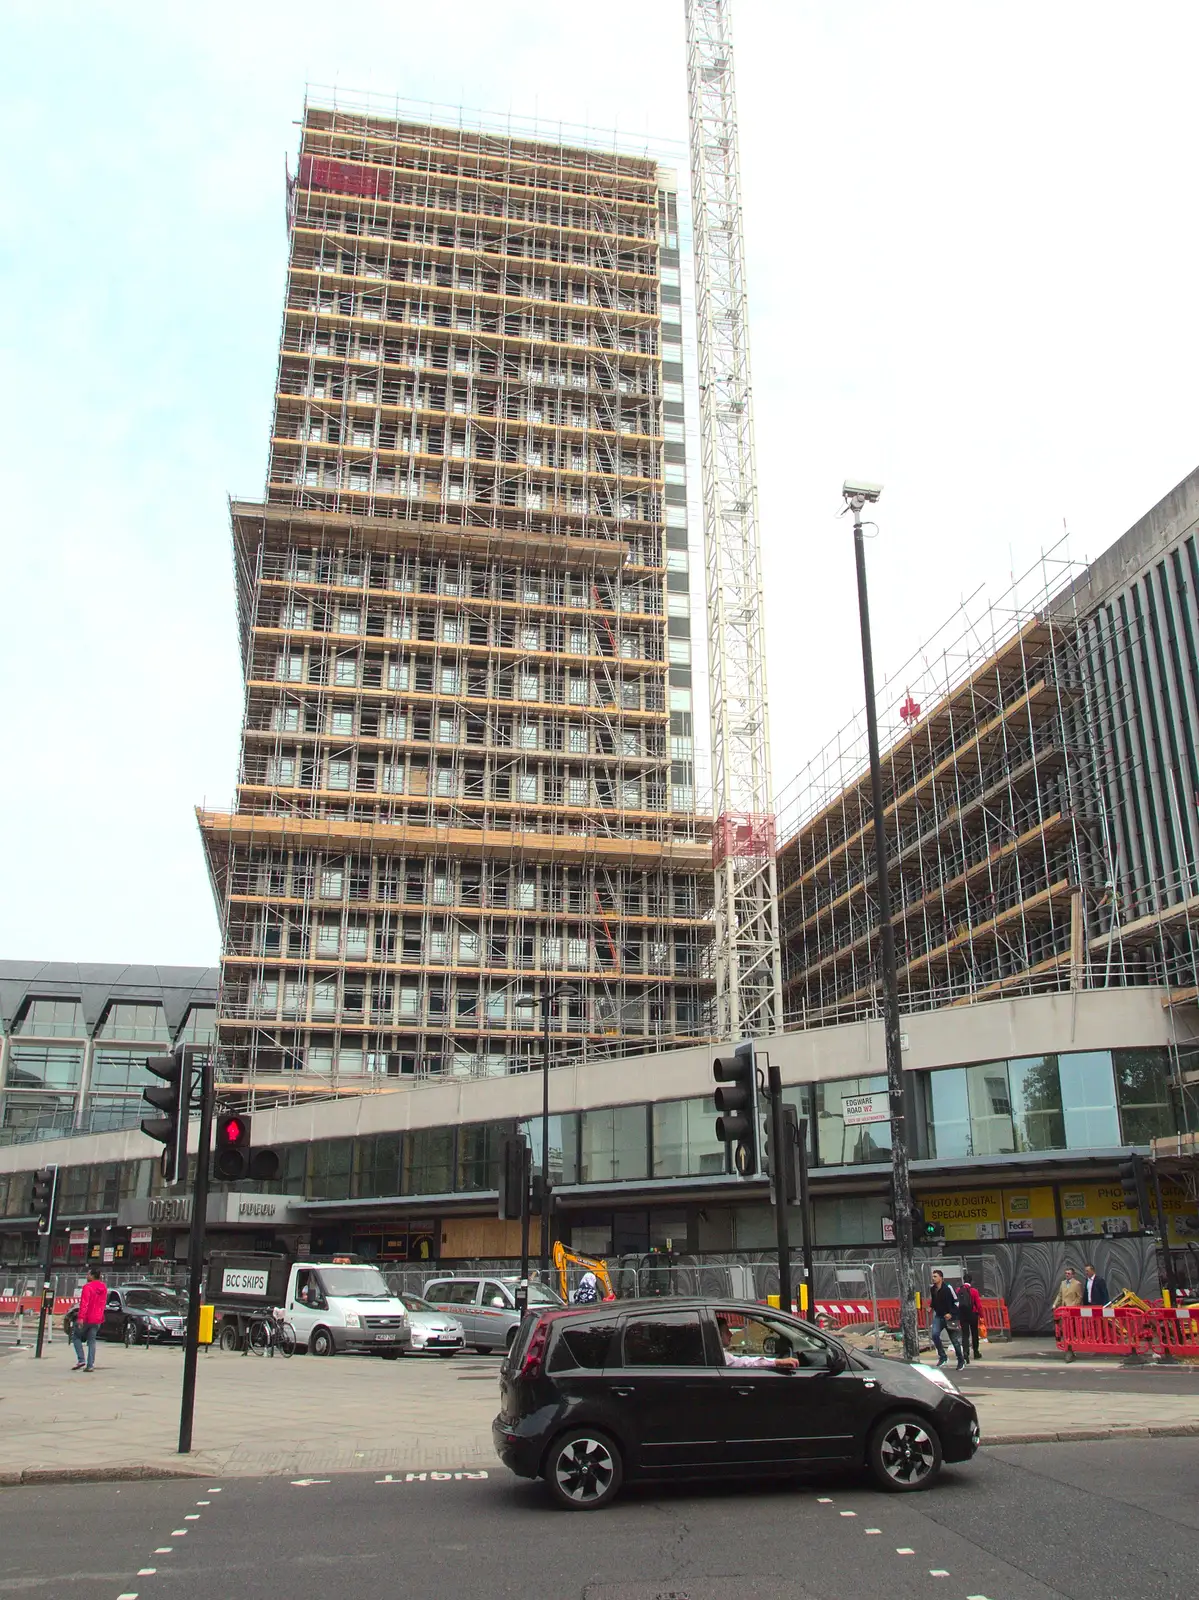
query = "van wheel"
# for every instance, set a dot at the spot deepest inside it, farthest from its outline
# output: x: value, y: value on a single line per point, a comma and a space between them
x: 904, y: 1453
x: 320, y: 1342
x: 228, y: 1338
x: 583, y: 1470
x: 390, y: 1355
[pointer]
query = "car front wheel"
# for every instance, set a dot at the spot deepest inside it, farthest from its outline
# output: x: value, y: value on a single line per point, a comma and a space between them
x: 132, y: 1333
x: 583, y: 1470
x: 905, y: 1453
x: 321, y: 1343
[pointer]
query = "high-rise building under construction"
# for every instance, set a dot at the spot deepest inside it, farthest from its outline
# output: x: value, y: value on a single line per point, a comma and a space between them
x: 466, y: 802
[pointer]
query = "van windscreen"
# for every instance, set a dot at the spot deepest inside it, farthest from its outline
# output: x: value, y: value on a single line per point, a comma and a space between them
x: 355, y: 1283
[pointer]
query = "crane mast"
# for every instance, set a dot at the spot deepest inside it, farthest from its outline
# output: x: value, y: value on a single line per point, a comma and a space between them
x: 748, y: 966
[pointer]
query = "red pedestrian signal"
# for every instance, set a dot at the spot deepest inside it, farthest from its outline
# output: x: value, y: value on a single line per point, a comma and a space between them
x: 231, y: 1159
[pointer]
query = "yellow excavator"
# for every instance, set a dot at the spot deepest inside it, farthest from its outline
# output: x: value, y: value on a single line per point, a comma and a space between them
x: 564, y: 1259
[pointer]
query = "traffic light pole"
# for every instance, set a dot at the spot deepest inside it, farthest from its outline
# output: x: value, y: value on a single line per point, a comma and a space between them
x: 1163, y: 1233
x: 522, y: 1288
x: 778, y: 1179
x: 46, y: 1309
x: 195, y: 1252
x: 900, y: 1176
x: 805, y: 1207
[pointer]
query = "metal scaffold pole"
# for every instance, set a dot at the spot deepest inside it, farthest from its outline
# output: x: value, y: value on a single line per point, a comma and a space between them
x: 748, y: 967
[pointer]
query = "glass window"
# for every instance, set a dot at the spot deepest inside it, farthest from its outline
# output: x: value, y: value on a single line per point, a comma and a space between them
x: 330, y: 1163
x: 582, y: 1346
x: 948, y: 1114
x: 377, y: 1165
x: 52, y: 1019
x: 1143, y: 1087
x: 479, y: 1154
x: 685, y: 1142
x: 990, y: 1103
x: 1036, y: 1103
x: 1089, y: 1100
x: 119, y: 1069
x: 564, y: 1146
x: 49, y: 1066
x: 135, y: 1022
x: 841, y: 1144
x: 40, y: 1112
x: 670, y: 1339
x: 428, y: 1158
x: 200, y: 1027
x: 612, y: 1144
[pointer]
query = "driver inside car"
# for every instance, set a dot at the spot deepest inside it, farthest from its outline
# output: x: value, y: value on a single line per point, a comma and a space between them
x: 751, y: 1333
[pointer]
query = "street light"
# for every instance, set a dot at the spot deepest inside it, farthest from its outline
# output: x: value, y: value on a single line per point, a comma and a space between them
x: 857, y: 496
x: 547, y: 1007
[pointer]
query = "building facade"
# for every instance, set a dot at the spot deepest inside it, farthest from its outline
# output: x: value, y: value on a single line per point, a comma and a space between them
x: 74, y: 1038
x: 465, y: 815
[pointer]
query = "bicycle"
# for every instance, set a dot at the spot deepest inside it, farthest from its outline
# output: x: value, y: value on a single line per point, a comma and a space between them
x: 268, y: 1334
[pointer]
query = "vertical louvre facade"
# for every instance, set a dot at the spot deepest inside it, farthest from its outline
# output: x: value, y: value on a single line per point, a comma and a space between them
x: 467, y: 769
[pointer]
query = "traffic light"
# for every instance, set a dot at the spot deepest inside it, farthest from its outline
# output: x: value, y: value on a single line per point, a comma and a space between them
x: 513, y: 1177
x: 233, y: 1156
x: 785, y: 1161
x: 737, y: 1100
x: 45, y: 1183
x: 924, y: 1231
x: 1136, y: 1189
x: 171, y: 1102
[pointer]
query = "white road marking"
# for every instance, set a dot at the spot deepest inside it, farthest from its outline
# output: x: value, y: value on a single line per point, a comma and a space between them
x: 203, y: 1502
x: 146, y: 1572
x: 177, y: 1533
x: 904, y: 1550
x: 164, y: 1550
x: 849, y: 1513
x: 824, y: 1500
x: 192, y: 1516
x: 431, y: 1477
x: 214, y: 1491
x: 938, y: 1572
x: 872, y: 1530
x: 128, y: 1595
x: 306, y: 1483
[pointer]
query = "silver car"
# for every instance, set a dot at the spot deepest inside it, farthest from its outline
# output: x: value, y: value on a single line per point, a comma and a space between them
x: 486, y: 1307
x: 433, y: 1331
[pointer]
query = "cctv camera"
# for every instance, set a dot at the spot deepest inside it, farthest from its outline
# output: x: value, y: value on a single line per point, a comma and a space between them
x: 852, y: 489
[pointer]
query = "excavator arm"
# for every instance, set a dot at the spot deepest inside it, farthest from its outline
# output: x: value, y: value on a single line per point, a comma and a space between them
x: 564, y: 1258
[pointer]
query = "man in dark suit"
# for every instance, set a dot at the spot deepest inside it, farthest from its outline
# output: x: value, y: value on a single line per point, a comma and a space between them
x: 1094, y: 1288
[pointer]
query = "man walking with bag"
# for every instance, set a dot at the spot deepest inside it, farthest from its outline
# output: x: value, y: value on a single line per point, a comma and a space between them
x: 970, y: 1309
x: 92, y: 1300
x: 943, y: 1302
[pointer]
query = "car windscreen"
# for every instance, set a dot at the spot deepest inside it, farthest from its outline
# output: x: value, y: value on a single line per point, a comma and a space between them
x: 356, y: 1283
x: 414, y: 1303
x: 152, y: 1300
x: 539, y: 1295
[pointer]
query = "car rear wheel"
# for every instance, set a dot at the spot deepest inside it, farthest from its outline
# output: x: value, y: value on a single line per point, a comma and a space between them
x: 482, y: 1349
x: 583, y: 1470
x: 321, y: 1342
x: 905, y: 1453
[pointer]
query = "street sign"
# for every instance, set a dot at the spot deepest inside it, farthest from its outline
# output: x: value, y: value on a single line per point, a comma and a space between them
x: 859, y: 1108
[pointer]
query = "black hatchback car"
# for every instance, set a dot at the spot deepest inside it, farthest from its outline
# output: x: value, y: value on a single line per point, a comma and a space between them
x: 592, y: 1396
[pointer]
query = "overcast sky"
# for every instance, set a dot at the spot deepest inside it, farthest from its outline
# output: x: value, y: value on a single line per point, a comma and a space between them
x: 971, y: 235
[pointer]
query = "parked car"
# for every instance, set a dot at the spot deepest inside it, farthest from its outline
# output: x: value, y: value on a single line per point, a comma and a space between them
x: 433, y: 1331
x: 140, y: 1313
x: 486, y: 1307
x: 593, y: 1396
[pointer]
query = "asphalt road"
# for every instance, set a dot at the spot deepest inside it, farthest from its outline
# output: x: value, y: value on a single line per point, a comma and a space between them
x: 1167, y: 1378
x: 1019, y: 1523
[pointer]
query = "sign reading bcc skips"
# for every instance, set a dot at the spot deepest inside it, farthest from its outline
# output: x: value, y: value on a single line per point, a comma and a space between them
x: 235, y: 1280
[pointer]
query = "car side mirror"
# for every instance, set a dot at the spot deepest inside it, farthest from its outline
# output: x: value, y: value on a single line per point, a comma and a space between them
x: 835, y: 1360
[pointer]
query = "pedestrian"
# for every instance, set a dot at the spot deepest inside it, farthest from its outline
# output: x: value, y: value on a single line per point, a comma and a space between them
x: 92, y: 1300
x: 970, y: 1310
x: 1094, y: 1289
x: 943, y: 1302
x: 588, y: 1291
x: 1069, y: 1294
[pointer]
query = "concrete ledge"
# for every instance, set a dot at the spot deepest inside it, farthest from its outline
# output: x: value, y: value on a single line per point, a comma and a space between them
x: 115, y: 1474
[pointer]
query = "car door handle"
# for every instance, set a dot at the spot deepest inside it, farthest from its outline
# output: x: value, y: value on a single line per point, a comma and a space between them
x: 747, y: 1388
x: 624, y: 1392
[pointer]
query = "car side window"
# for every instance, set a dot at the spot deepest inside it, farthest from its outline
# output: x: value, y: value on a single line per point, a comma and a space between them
x: 763, y: 1336
x: 456, y: 1293
x: 493, y: 1295
x: 586, y: 1345
x: 665, y: 1339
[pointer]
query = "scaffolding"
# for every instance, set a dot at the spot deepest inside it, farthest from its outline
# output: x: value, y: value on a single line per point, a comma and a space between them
x: 467, y: 772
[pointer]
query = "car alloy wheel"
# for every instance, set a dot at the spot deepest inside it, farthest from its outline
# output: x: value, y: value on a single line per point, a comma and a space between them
x: 131, y: 1332
x: 584, y: 1471
x: 905, y: 1453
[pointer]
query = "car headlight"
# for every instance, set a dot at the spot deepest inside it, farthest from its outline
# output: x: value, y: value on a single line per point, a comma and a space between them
x: 153, y: 1322
x: 934, y: 1376
x: 458, y: 1329
x: 352, y: 1321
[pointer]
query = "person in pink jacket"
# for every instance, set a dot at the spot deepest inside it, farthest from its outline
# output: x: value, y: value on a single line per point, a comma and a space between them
x: 92, y: 1300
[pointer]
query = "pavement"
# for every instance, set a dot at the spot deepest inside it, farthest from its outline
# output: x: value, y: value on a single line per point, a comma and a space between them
x: 1044, y: 1522
x: 260, y: 1416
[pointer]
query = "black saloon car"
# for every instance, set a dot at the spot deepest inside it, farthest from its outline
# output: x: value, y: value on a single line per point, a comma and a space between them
x: 140, y: 1313
x: 591, y: 1396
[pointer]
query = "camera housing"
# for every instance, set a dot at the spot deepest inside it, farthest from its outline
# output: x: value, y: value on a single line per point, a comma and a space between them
x: 857, y: 489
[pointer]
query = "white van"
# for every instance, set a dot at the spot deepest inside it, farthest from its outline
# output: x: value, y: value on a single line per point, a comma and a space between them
x: 334, y: 1308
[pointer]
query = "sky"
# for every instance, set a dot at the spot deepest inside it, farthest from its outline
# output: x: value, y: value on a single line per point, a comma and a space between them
x: 971, y: 245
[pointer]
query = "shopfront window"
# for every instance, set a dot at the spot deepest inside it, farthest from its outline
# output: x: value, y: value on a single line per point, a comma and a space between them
x: 1143, y: 1090
x: 685, y: 1142
x: 1089, y: 1100
x: 841, y: 1138
x: 612, y: 1144
x: 564, y: 1147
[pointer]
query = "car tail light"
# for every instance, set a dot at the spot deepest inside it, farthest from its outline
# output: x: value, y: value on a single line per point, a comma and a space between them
x: 530, y: 1367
